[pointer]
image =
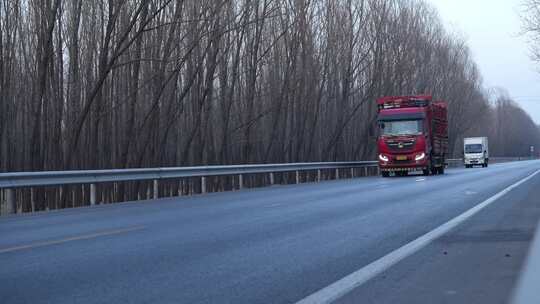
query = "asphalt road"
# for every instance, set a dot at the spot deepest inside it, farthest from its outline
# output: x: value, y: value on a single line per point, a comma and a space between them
x: 280, y: 244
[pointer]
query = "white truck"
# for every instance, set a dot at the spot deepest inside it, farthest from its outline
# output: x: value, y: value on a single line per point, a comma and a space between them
x: 475, y: 152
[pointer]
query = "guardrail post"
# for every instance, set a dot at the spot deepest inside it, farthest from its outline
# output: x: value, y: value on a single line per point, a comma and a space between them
x: 203, y: 184
x: 92, y: 194
x: 33, y: 199
x: 319, y: 175
x: 297, y: 177
x: 156, y: 189
x: 337, y: 173
x: 352, y: 172
x: 366, y: 171
x: 240, y: 182
x: 10, y: 201
x: 180, y: 188
x: 272, y: 178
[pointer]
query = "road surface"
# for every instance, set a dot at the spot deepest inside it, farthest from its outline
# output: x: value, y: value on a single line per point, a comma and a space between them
x: 281, y: 244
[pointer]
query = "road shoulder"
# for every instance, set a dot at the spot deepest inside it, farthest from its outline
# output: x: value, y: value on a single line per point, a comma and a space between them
x: 479, y: 262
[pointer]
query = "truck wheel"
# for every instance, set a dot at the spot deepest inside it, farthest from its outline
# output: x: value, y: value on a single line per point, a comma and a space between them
x: 426, y: 172
x: 441, y: 170
x: 385, y: 174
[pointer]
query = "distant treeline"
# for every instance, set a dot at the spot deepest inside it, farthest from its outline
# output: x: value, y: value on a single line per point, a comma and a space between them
x: 146, y: 83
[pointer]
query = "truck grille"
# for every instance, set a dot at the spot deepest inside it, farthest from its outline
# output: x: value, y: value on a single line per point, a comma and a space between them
x: 403, y: 162
x: 401, y: 146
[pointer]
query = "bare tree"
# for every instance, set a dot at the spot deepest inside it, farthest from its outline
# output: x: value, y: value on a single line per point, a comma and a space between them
x: 139, y: 83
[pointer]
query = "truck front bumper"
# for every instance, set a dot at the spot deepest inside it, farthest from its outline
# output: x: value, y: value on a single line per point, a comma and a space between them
x: 475, y: 161
x: 403, y: 169
x: 407, y: 165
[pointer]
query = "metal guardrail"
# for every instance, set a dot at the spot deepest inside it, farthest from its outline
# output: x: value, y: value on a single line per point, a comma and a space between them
x: 492, y: 160
x: 11, y: 181
x: 54, y: 178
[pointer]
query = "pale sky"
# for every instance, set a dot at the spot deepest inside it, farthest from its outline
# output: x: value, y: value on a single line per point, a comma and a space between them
x: 492, y: 29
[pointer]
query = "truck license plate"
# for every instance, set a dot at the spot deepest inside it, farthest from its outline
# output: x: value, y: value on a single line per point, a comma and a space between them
x: 401, y: 157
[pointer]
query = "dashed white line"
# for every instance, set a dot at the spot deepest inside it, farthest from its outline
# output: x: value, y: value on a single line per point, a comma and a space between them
x: 70, y: 239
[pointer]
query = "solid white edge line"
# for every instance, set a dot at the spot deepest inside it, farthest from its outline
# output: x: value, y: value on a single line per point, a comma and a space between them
x: 527, y: 288
x: 342, y: 287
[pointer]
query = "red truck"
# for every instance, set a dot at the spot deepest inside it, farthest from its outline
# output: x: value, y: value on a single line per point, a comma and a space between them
x: 413, y: 135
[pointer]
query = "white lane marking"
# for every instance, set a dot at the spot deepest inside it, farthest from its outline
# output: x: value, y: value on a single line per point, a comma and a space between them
x: 70, y: 239
x: 527, y: 287
x: 420, y: 179
x: 340, y: 288
x: 470, y: 193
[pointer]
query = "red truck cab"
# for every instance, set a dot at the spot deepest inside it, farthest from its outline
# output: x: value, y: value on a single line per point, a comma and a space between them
x: 413, y: 135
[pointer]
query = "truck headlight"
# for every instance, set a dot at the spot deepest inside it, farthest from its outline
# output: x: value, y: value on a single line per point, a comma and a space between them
x: 420, y: 156
x: 384, y: 158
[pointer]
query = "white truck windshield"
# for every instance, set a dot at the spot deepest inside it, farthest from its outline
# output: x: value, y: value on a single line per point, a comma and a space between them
x: 474, y: 148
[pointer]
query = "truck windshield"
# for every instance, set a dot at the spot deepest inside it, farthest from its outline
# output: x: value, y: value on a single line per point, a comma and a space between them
x: 402, y: 127
x: 476, y: 148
